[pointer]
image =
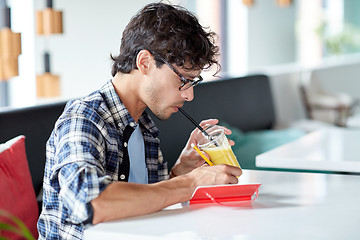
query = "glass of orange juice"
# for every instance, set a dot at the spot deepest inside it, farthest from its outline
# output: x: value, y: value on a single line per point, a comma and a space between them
x: 217, y: 146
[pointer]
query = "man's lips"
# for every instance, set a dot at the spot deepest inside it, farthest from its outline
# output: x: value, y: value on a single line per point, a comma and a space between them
x: 177, y: 107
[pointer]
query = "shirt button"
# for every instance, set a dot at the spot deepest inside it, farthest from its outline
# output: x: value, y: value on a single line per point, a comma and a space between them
x: 125, y: 144
x: 122, y: 176
x: 132, y: 124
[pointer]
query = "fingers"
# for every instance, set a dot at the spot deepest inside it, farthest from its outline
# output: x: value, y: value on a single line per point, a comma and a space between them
x: 232, y: 180
x: 207, y: 122
x: 231, y: 171
x: 226, y: 130
x: 234, y: 171
x: 196, y: 131
x: 215, y: 175
x: 214, y: 121
x: 231, y: 142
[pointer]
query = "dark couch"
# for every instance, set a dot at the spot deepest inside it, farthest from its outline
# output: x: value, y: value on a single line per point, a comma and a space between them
x: 244, y: 103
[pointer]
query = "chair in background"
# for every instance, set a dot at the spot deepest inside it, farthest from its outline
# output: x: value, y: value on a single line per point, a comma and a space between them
x: 36, y: 124
x: 331, y: 107
x: 18, y: 201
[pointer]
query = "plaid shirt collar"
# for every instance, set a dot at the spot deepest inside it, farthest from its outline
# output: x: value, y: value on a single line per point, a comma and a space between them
x: 121, y: 115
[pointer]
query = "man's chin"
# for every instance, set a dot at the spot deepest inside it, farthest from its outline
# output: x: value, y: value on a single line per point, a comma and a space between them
x: 162, y: 116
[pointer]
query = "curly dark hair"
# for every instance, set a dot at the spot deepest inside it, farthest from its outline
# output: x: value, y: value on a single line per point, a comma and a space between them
x: 171, y: 31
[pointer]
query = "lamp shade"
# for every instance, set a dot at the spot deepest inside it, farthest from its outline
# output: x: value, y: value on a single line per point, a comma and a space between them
x: 49, y: 21
x: 10, y: 49
x: 10, y: 45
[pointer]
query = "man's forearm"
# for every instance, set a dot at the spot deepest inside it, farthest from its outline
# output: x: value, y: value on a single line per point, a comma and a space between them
x: 121, y: 200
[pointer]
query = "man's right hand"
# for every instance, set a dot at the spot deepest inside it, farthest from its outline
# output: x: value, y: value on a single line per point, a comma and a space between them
x: 215, y: 175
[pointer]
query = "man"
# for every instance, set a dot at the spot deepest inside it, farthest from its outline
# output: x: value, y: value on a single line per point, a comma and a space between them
x: 103, y: 157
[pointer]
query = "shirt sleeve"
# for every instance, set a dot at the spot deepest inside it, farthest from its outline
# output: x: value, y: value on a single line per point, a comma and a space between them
x: 79, y: 171
x: 162, y: 168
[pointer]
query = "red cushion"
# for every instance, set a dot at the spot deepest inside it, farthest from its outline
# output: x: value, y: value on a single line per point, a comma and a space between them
x: 17, y: 192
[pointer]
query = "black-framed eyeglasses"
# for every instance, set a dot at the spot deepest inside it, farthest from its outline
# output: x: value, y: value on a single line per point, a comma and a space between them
x: 186, y: 83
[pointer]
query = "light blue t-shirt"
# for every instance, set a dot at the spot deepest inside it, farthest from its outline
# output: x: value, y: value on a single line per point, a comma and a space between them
x: 136, y: 148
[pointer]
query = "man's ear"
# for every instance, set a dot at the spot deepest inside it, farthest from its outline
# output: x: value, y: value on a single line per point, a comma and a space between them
x: 143, y: 61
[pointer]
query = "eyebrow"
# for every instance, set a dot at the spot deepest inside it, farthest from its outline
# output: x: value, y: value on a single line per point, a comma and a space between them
x: 190, y: 76
x: 186, y: 75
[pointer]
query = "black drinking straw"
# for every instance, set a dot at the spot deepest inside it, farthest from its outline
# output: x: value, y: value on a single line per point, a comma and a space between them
x: 195, y: 123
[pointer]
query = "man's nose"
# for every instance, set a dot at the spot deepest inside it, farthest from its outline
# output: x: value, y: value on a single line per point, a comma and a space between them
x: 188, y: 94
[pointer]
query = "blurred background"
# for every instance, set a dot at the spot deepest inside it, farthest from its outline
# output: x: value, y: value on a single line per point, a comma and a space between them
x: 286, y: 40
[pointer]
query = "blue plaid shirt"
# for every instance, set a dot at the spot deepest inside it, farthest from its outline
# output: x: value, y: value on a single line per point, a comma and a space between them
x: 83, y: 156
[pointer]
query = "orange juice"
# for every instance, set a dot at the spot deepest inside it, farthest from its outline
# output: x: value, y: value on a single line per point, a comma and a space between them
x: 222, y: 155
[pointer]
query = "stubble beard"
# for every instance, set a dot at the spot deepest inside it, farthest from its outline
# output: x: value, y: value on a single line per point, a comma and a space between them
x: 160, y: 114
x: 155, y: 105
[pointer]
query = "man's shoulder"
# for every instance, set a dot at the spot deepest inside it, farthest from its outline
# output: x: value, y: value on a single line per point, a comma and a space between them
x: 92, y: 107
x: 84, y: 106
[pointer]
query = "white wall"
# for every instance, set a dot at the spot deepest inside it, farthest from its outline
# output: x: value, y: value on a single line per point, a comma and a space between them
x: 340, y: 76
x: 25, y: 82
x: 271, y: 32
x: 260, y: 35
x: 92, y: 30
